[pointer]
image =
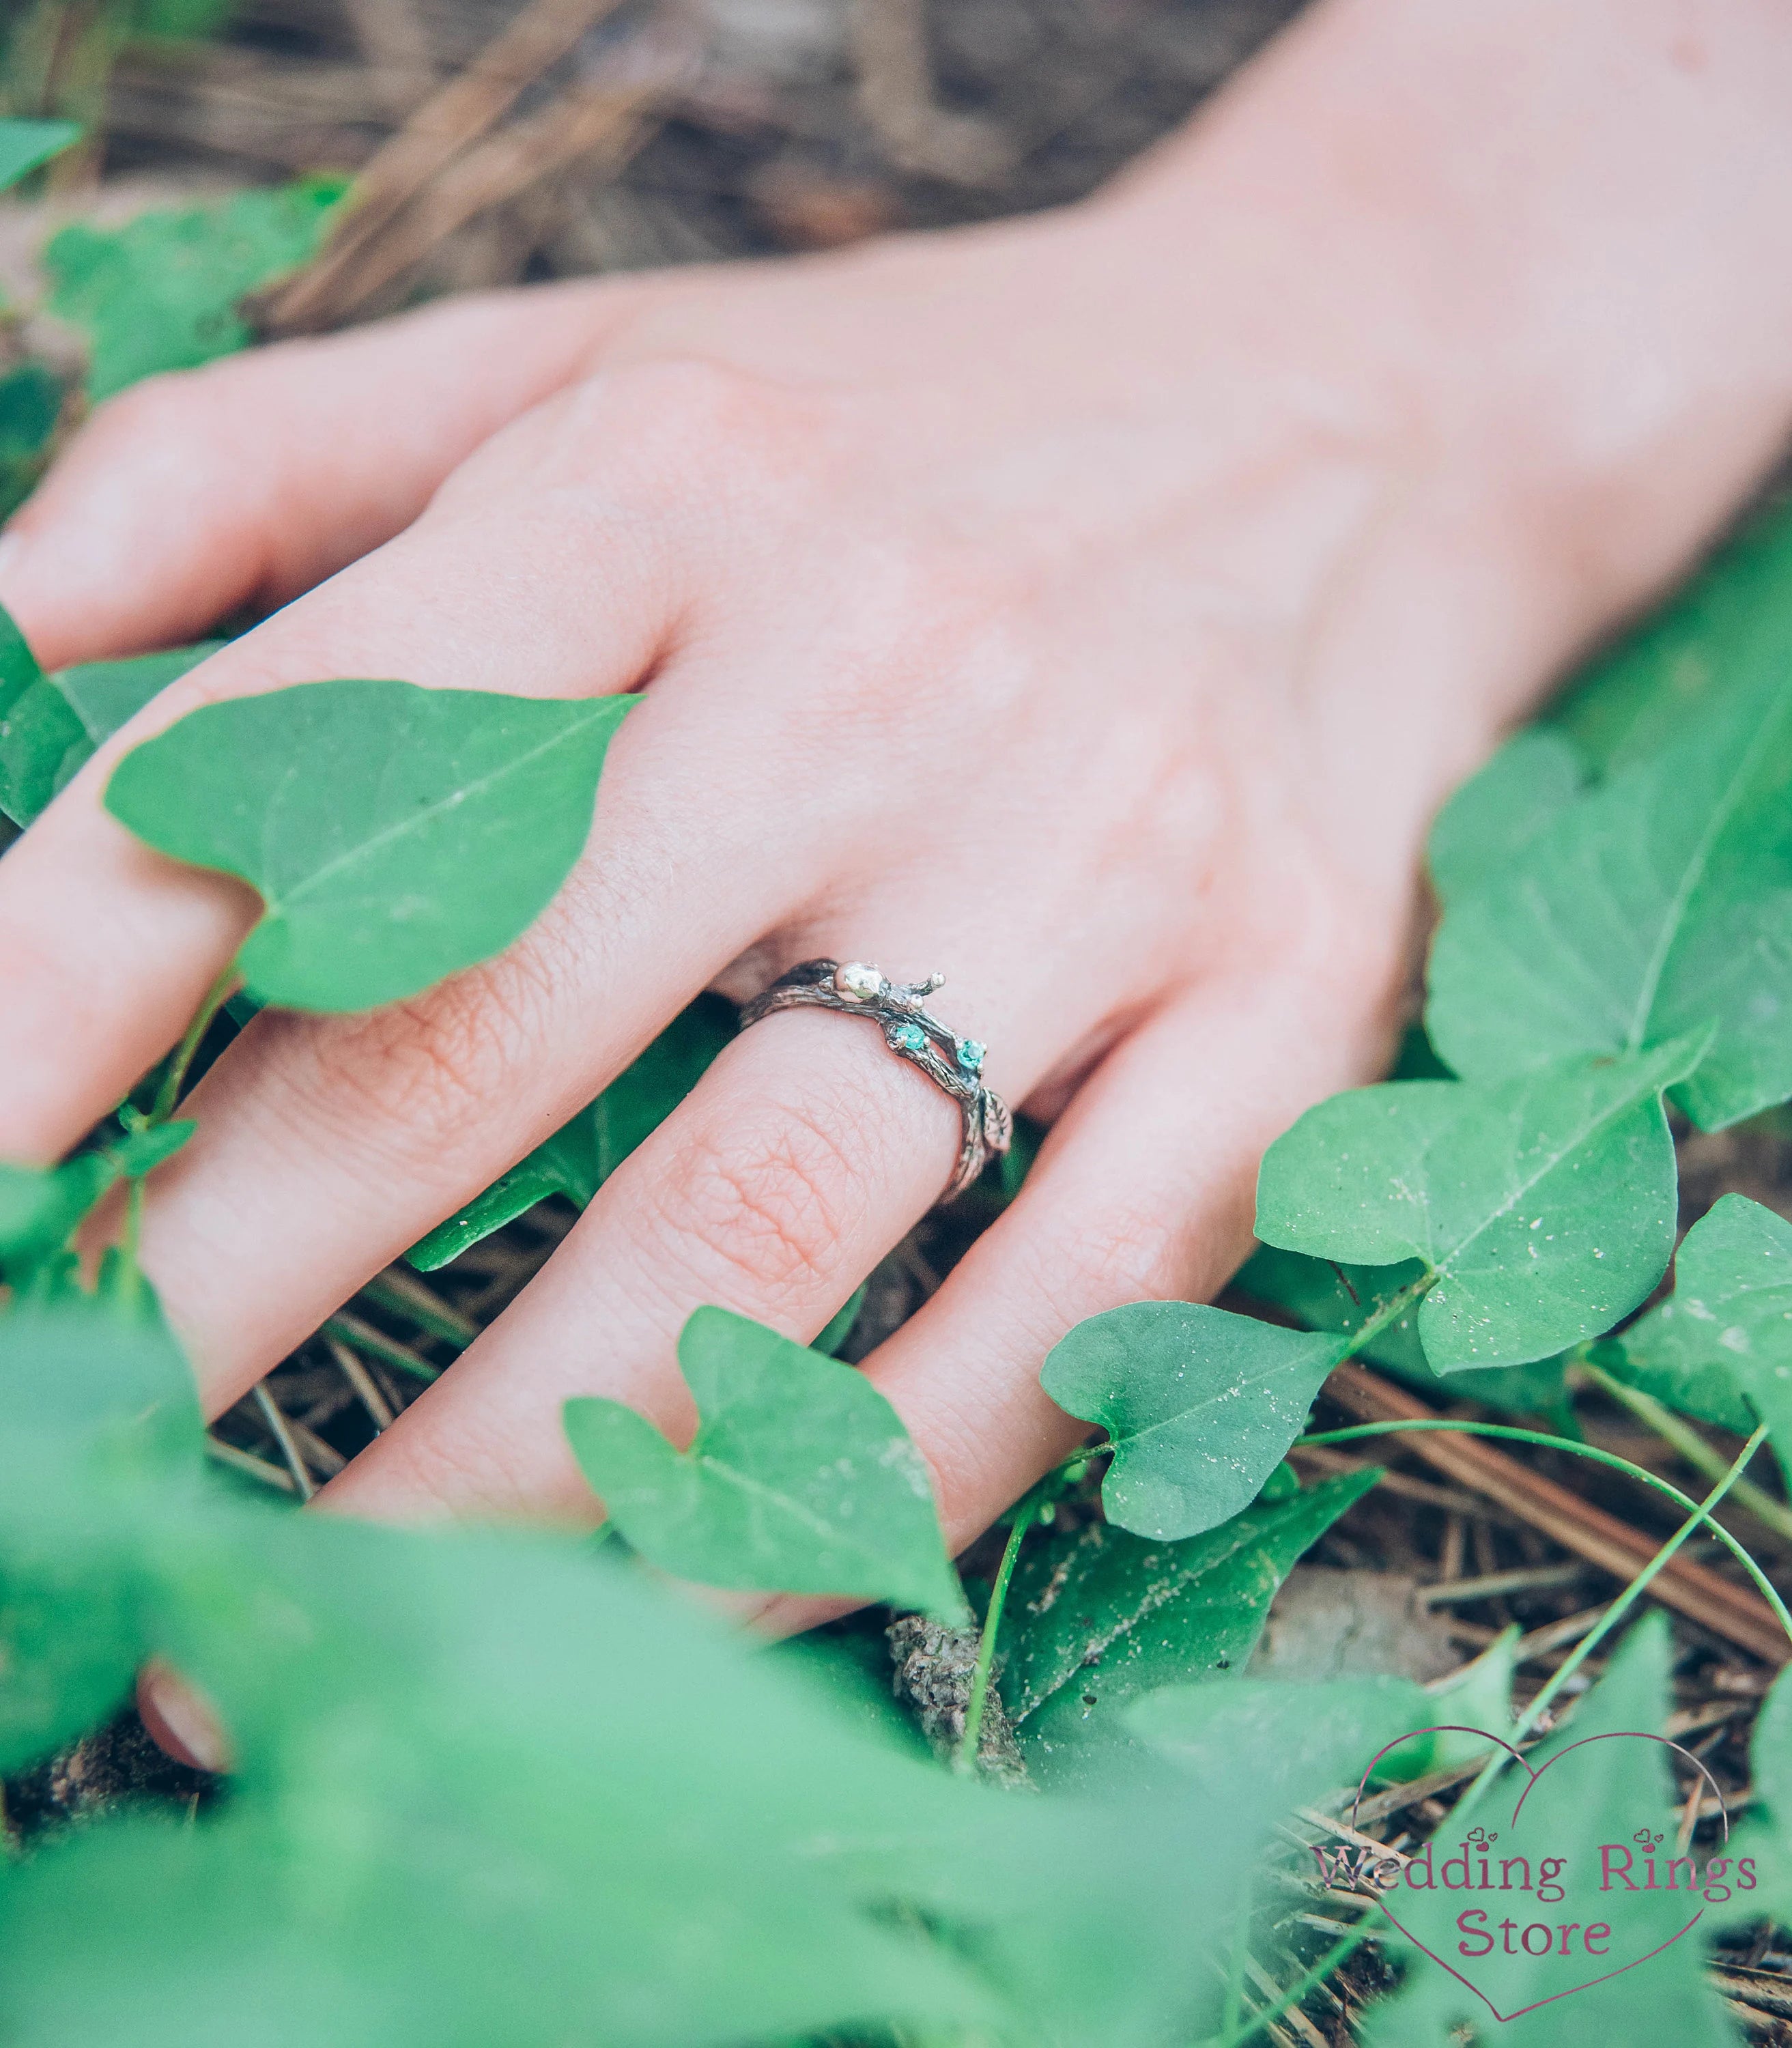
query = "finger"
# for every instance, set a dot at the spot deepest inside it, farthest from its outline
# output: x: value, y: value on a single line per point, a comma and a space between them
x: 807, y: 1152
x: 257, y: 476
x: 1145, y: 1191
x: 327, y: 1145
x: 109, y: 947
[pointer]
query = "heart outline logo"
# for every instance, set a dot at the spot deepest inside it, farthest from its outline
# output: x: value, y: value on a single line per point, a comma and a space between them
x: 1532, y: 1778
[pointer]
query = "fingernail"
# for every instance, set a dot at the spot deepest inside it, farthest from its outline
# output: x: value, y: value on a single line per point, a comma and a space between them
x: 180, y: 1718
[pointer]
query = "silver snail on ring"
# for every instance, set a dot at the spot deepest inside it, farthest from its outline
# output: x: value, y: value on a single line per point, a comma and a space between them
x: 854, y: 988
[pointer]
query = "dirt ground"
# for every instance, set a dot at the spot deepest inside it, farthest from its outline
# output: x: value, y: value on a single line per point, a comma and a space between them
x: 674, y: 131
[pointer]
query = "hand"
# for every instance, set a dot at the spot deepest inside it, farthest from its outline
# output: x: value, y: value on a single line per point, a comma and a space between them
x: 1094, y: 608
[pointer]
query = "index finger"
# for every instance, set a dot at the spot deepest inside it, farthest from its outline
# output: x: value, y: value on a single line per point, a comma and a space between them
x: 196, y: 492
x: 109, y: 947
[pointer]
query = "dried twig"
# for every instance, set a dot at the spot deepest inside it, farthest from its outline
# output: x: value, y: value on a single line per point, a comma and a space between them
x: 604, y: 125
x: 449, y: 121
x: 396, y: 45
x: 246, y: 1461
x: 1535, y: 1578
x: 359, y: 1377
x: 282, y: 1434
x: 897, y: 97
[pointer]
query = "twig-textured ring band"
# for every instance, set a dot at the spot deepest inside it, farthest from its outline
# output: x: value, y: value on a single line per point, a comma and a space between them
x: 856, y: 989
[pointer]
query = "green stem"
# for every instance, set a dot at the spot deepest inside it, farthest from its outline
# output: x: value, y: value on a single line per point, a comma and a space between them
x: 1737, y: 1550
x: 1703, y: 1457
x: 1619, y: 1608
x: 967, y: 1759
x: 174, y: 1074
x: 1389, y: 1312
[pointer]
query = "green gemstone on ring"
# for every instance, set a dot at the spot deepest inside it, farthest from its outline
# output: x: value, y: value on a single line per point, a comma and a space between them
x: 970, y: 1055
x: 907, y: 1037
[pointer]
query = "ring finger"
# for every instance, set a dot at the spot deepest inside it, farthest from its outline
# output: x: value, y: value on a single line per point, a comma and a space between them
x: 805, y: 1154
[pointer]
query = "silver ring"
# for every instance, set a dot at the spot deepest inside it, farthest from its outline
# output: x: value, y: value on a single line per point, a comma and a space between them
x: 856, y: 988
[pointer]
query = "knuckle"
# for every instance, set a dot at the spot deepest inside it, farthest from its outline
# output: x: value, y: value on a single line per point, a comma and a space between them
x: 691, y: 414
x: 766, y: 1203
x: 417, y: 1078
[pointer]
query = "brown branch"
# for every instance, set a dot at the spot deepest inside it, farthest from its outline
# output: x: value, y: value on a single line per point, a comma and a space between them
x: 1736, y: 1613
x: 602, y: 126
x: 448, y: 122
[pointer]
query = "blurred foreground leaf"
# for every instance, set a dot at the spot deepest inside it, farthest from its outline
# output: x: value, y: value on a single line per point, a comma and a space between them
x: 163, y: 292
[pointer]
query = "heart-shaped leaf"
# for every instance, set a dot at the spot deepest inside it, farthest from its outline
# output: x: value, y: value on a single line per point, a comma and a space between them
x: 1726, y: 631
x: 1095, y: 1617
x: 1200, y: 1406
x: 31, y: 399
x: 1542, y: 1207
x: 50, y: 726
x: 163, y: 292
x: 1656, y: 905
x: 396, y: 835
x: 800, y: 1479
x: 1496, y: 814
x: 585, y: 1151
x: 25, y: 145
x: 1727, y: 1325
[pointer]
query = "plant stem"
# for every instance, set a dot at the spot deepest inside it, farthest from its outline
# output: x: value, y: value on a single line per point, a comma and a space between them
x: 1389, y: 1312
x: 1703, y: 1457
x: 967, y: 1757
x: 174, y: 1074
x: 1768, y: 1592
x: 1619, y: 1608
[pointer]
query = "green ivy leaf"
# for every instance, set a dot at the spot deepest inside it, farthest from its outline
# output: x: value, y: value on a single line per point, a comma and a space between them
x: 1496, y: 815
x: 1097, y: 1616
x: 18, y: 666
x: 1601, y: 1792
x: 1727, y: 1327
x: 1729, y: 630
x: 800, y: 1479
x: 162, y: 292
x: 396, y: 835
x: 1658, y: 904
x: 30, y: 406
x: 25, y: 145
x: 584, y: 1152
x: 50, y: 727
x: 1200, y: 1404
x: 1760, y: 1874
x: 90, y: 1399
x: 1247, y: 1725
x: 1542, y: 1207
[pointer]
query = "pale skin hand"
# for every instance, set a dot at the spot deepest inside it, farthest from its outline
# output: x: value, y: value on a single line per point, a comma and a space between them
x: 1095, y: 609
